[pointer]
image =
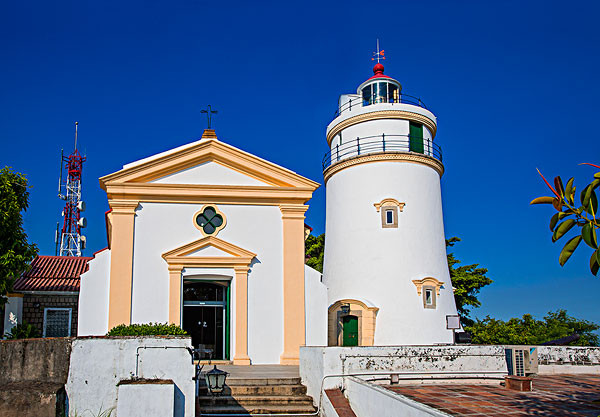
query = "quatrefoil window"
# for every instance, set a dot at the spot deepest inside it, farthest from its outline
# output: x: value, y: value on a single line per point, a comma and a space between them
x: 209, y: 220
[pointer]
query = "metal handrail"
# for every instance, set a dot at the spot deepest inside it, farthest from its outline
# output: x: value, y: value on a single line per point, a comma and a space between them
x: 378, y: 144
x: 360, y: 102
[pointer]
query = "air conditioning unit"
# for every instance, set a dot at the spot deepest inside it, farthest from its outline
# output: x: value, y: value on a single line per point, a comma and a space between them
x: 521, y: 360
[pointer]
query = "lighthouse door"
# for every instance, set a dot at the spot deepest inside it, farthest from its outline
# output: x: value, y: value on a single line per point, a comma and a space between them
x: 350, y: 331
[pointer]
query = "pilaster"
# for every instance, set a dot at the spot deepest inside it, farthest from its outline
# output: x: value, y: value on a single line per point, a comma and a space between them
x: 241, y: 316
x: 175, y: 284
x: 121, y: 264
x: 292, y: 216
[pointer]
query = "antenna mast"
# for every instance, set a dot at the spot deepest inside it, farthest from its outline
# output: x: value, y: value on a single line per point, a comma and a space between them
x: 71, y: 242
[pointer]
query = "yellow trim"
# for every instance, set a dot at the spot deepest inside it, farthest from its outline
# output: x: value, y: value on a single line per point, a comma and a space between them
x: 121, y: 262
x: 384, y: 114
x: 420, y: 283
x: 219, y: 212
x: 389, y: 202
x: 14, y: 295
x: 240, y: 260
x: 292, y: 216
x: 368, y: 316
x: 208, y: 151
x: 387, y: 157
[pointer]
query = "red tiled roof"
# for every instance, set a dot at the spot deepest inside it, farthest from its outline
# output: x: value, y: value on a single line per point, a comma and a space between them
x: 53, y: 273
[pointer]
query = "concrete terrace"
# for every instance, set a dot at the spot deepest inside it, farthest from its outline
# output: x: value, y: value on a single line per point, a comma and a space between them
x: 552, y: 395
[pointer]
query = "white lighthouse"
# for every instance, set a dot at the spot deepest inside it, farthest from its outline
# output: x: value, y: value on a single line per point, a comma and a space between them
x: 385, y: 257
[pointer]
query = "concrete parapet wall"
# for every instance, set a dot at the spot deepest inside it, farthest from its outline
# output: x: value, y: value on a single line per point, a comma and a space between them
x: 32, y: 376
x: 367, y: 399
x: 568, y: 360
x: 408, y: 361
x: 99, y: 364
x: 39, y: 360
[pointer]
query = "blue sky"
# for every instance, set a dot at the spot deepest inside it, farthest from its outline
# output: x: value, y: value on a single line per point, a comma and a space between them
x: 514, y: 86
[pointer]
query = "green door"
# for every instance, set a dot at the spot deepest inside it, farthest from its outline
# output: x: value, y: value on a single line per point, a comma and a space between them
x: 416, y: 137
x: 350, y: 331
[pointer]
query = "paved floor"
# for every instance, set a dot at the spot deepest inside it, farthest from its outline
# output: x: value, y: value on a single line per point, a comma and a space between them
x: 552, y: 395
x: 258, y: 371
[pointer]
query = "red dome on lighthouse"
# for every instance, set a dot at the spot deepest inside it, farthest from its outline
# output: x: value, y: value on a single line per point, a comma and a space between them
x: 378, y: 71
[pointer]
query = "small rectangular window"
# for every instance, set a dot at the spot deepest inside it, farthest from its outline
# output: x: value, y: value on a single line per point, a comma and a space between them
x: 428, y: 297
x: 389, y: 216
x: 57, y: 322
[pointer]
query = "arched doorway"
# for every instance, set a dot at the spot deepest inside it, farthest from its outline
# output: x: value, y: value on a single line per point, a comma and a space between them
x: 206, y: 316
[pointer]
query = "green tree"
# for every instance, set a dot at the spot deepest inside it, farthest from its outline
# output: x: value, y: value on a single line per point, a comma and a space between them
x: 314, y: 249
x: 568, y: 216
x: 467, y: 281
x: 529, y: 331
x: 15, y: 252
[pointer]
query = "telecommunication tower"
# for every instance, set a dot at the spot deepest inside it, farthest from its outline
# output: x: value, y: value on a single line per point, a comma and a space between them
x: 70, y: 241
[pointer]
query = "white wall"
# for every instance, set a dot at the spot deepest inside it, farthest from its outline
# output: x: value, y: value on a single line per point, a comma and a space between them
x: 380, y: 107
x: 366, y: 262
x: 318, y: 362
x: 161, y: 227
x: 147, y: 400
x: 568, y: 360
x: 369, y: 400
x: 315, y: 296
x: 98, y: 364
x: 14, y: 305
x: 92, y: 317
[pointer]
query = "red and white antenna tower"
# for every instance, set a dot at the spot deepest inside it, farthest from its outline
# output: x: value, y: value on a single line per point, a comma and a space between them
x: 70, y: 241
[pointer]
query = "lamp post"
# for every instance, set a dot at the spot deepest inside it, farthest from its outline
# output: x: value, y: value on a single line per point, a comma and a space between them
x: 215, y: 380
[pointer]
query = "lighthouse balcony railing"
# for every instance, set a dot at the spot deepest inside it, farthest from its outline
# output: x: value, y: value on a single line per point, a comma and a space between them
x: 382, y: 144
x: 359, y: 102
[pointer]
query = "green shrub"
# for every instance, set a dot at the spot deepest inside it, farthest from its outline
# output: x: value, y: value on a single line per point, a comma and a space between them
x: 150, y: 329
x: 23, y: 331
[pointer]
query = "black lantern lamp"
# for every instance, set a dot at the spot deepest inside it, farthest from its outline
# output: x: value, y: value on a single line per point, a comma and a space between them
x: 215, y: 380
x: 345, y: 309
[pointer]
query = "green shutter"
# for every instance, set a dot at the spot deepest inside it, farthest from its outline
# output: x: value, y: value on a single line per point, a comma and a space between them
x: 416, y: 138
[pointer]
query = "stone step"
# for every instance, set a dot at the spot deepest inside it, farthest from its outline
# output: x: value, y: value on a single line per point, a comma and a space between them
x: 234, y: 390
x: 255, y: 400
x: 288, y: 410
x: 261, y: 381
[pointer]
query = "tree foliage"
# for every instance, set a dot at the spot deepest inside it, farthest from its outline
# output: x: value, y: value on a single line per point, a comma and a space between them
x: 529, y: 331
x: 315, y: 248
x: 150, y: 329
x: 467, y: 281
x: 15, y: 252
x: 23, y: 331
x: 569, y: 217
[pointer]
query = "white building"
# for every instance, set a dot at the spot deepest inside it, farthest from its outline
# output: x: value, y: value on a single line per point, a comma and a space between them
x: 211, y: 238
x: 385, y: 265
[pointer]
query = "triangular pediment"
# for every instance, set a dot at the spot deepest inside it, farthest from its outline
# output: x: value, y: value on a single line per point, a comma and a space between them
x: 210, y: 173
x: 208, y: 249
x: 205, y: 159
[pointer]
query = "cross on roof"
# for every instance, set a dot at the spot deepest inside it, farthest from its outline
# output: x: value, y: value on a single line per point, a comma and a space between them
x: 209, y: 112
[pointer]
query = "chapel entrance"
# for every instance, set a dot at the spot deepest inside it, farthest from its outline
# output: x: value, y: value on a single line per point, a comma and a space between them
x: 206, y: 316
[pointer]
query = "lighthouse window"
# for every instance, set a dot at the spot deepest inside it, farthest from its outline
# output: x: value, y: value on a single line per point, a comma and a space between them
x: 429, y: 297
x: 366, y: 95
x: 389, y: 217
x: 393, y: 93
